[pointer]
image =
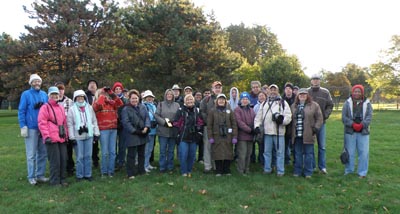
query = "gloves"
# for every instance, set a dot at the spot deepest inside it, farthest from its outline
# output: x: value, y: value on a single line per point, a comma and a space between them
x: 357, y: 127
x: 72, y: 142
x: 234, y: 140
x: 279, y: 120
x: 211, y: 140
x: 314, y: 130
x: 95, y: 138
x: 24, y: 131
x: 47, y: 141
x: 257, y: 130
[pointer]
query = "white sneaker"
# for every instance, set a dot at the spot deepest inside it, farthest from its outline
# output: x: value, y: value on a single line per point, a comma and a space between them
x: 147, y: 170
x: 152, y: 167
x: 324, y: 171
x: 32, y: 181
x: 42, y: 179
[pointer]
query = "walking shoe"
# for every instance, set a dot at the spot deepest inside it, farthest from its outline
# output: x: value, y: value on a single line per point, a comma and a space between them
x: 279, y: 175
x: 42, y: 179
x: 361, y: 176
x: 110, y: 175
x: 89, y: 178
x: 147, y: 169
x: 64, y: 184
x: 151, y: 167
x: 324, y: 171
x: 32, y: 181
x: 296, y: 175
x: 201, y: 162
x: 308, y: 176
x: 184, y: 175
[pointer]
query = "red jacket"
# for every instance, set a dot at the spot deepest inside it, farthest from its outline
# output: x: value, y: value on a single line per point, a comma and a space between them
x: 48, y: 125
x: 107, y: 111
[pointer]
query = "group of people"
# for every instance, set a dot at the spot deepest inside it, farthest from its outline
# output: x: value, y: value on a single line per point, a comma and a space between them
x: 125, y: 125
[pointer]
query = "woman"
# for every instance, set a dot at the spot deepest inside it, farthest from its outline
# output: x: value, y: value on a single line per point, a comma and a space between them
x: 135, y: 119
x: 245, y: 120
x: 106, y: 106
x: 306, y: 121
x: 356, y: 117
x: 166, y: 111
x: 234, y: 98
x: 151, y: 108
x: 262, y: 96
x: 82, y: 128
x: 190, y: 124
x: 52, y: 125
x: 222, y: 134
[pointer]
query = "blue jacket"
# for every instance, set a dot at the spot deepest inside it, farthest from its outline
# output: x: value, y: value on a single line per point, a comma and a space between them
x: 27, y: 114
x: 151, y: 108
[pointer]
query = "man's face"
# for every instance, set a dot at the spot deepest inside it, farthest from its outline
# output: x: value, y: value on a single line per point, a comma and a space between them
x: 217, y: 89
x: 288, y: 92
x: 206, y: 93
x: 36, y: 84
x: 273, y: 92
x: 255, y: 88
x: 198, y: 96
x: 62, y: 91
x: 92, y: 87
x: 188, y: 91
x: 177, y: 92
x: 315, y: 82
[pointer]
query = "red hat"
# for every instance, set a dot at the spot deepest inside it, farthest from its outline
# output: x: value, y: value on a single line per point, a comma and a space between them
x: 358, y: 86
x: 117, y: 84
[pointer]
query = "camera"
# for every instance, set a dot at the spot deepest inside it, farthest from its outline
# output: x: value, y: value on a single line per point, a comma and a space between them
x: 38, y: 105
x: 61, y: 131
x: 357, y: 120
x: 223, y: 130
x: 277, y: 117
x: 83, y: 129
x: 153, y: 124
x: 107, y: 89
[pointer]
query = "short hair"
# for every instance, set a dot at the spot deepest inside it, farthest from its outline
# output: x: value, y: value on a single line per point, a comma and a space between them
x: 255, y: 82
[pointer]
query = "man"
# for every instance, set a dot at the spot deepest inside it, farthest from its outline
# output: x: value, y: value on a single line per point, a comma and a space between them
x: 92, y: 88
x: 289, y: 97
x: 323, y: 98
x: 177, y: 94
x: 255, y: 90
x: 206, y: 92
x: 66, y: 103
x: 206, y: 104
x: 188, y: 90
x: 28, y: 111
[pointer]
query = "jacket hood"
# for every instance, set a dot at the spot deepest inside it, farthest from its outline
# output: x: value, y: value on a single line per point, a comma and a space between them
x: 165, y: 95
x: 80, y: 93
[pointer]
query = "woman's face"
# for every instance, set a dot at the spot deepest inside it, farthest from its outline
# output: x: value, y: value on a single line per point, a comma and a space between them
x: 80, y: 99
x: 170, y: 96
x: 221, y: 101
x: 149, y: 99
x: 234, y: 93
x: 118, y: 90
x: 198, y: 96
x: 261, y: 97
x: 357, y: 94
x: 54, y: 96
x: 134, y: 100
x: 303, y: 97
x: 244, y: 101
x: 189, y: 102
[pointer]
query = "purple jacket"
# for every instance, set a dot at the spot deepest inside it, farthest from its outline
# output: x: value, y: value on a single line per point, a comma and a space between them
x: 245, y: 122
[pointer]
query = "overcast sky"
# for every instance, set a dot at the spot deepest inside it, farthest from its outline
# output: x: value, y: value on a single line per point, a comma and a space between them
x: 323, y: 34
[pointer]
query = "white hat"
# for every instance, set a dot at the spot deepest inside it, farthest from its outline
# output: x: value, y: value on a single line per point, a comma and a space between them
x: 221, y: 95
x: 78, y: 93
x: 188, y: 87
x: 176, y: 87
x: 273, y: 86
x: 148, y: 93
x: 53, y: 90
x: 34, y: 77
x: 316, y: 76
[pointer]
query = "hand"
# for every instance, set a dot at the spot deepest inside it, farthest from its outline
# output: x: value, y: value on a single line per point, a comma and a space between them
x: 257, y: 130
x: 47, y: 141
x: 95, y: 138
x: 357, y: 127
x: 279, y: 120
x: 73, y: 142
x: 234, y: 140
x: 211, y: 140
x: 168, y: 123
x: 24, y: 131
x: 315, y: 130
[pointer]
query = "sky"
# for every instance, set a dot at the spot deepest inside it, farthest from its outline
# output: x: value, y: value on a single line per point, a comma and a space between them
x: 323, y: 34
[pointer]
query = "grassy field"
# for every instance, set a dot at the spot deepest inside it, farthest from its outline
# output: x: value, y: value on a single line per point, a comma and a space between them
x: 205, y: 193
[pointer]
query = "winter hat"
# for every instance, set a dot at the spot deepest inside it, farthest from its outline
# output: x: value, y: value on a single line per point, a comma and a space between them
x: 34, y: 77
x: 290, y: 85
x: 273, y: 86
x: 53, y: 90
x: 303, y: 91
x: 78, y: 93
x: 92, y: 80
x: 316, y: 76
x: 358, y: 86
x: 148, y: 93
x: 117, y: 84
x: 244, y: 95
x: 221, y: 95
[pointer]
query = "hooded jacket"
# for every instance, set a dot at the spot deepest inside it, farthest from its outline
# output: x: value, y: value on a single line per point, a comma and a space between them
x: 234, y: 101
x: 166, y: 109
x: 347, y: 116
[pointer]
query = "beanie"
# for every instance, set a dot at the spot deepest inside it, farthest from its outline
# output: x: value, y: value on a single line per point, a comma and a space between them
x: 34, y: 77
x: 92, y: 80
x: 117, y: 84
x: 358, y: 86
x: 244, y: 95
x: 53, y: 90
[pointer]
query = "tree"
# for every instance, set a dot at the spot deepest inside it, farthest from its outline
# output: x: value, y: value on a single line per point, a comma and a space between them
x: 338, y: 85
x: 358, y: 75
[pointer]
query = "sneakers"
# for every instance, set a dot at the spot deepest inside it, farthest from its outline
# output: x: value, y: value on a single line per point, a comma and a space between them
x: 184, y: 175
x: 151, y: 167
x: 147, y: 170
x: 296, y: 175
x: 32, y: 181
x: 42, y: 179
x: 324, y: 171
x: 308, y: 177
x: 131, y: 177
x: 279, y: 175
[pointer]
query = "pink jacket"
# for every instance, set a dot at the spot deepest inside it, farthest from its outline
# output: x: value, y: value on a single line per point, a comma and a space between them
x: 48, y: 125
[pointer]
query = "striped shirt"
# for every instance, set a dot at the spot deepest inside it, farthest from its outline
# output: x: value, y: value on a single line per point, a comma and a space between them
x: 299, y: 121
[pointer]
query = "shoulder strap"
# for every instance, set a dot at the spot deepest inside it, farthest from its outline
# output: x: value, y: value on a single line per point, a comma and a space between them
x: 55, y: 118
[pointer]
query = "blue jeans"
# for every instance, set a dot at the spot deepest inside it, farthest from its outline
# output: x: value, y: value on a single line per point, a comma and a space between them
x: 321, y: 139
x: 83, y: 151
x: 269, y: 141
x: 167, y: 147
x: 359, y: 142
x: 306, y: 151
x: 187, y: 156
x: 36, y: 154
x: 149, y: 148
x: 108, y: 140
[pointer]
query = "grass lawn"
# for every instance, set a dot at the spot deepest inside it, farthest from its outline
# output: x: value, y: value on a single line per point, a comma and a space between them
x: 205, y: 193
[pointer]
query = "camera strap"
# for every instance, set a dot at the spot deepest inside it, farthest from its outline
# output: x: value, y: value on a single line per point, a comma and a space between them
x: 55, y: 118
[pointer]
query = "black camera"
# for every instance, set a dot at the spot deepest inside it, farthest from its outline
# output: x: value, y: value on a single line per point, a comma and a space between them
x: 83, y: 129
x: 107, y: 89
x: 38, y: 105
x: 277, y: 117
x: 358, y: 120
x: 61, y: 131
x: 153, y: 124
x: 223, y: 130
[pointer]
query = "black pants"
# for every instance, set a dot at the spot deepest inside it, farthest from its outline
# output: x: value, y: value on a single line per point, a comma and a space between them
x: 95, y: 153
x: 201, y: 150
x: 70, y: 160
x: 133, y: 153
x: 57, y: 155
x: 223, y: 166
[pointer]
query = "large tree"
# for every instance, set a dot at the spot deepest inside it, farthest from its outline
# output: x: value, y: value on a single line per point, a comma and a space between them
x: 358, y: 75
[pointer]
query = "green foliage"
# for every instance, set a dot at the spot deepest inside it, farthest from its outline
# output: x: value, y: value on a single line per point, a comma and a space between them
x: 357, y: 75
x: 205, y: 193
x: 244, y: 75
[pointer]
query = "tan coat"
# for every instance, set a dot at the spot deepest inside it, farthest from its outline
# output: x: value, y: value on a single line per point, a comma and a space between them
x: 312, y: 119
x: 222, y: 148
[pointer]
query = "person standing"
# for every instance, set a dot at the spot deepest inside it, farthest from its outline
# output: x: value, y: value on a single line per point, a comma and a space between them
x: 92, y: 86
x: 356, y: 118
x: 148, y: 102
x: 323, y: 98
x: 177, y: 94
x: 206, y: 105
x: 289, y: 97
x: 135, y: 119
x: 28, y: 111
x: 307, y: 120
x: 53, y: 128
x: 66, y: 103
x: 82, y: 128
x: 165, y: 113
x: 255, y: 90
x: 245, y: 121
x: 274, y: 115
x: 262, y: 96
x: 234, y: 98
x: 106, y: 106
x: 190, y: 125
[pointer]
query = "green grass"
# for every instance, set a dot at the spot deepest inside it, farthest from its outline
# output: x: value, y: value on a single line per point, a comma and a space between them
x: 257, y: 193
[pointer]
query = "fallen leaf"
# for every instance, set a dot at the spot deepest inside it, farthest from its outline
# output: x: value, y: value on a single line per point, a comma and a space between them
x: 120, y: 208
x: 386, y: 209
x: 170, y: 183
x: 168, y: 211
x: 203, y: 191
